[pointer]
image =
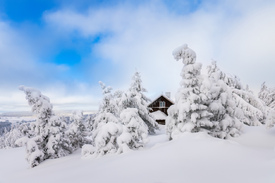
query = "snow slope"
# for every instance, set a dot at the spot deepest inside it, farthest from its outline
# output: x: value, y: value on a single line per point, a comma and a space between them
x: 192, y: 158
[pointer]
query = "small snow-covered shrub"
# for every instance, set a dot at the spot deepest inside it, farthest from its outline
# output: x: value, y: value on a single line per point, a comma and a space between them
x: 104, y: 140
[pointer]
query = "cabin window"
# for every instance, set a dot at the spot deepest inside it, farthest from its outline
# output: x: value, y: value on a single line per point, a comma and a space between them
x: 161, y: 104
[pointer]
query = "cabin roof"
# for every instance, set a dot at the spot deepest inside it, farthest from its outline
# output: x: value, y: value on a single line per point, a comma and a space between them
x: 159, y: 97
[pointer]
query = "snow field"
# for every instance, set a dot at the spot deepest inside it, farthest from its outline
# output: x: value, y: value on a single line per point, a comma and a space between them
x: 192, y: 157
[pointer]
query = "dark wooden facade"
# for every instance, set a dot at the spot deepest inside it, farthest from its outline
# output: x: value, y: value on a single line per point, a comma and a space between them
x: 162, y: 103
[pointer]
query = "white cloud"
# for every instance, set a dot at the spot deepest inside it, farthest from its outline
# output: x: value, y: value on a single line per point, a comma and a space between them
x: 20, y: 64
x: 240, y: 36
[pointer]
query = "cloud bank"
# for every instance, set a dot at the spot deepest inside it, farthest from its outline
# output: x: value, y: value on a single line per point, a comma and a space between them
x: 128, y: 37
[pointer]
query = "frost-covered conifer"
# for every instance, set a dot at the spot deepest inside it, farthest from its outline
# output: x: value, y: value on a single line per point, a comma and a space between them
x: 104, y: 141
x: 77, y: 131
x: 108, y: 104
x: 188, y: 114
x: 135, y: 131
x: 49, y: 139
x: 267, y: 95
x: 106, y: 127
x: 225, y: 115
x: 253, y: 108
x: 11, y: 136
x: 104, y: 136
x: 135, y: 98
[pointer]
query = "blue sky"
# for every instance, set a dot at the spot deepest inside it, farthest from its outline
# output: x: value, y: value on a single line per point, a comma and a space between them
x: 63, y: 48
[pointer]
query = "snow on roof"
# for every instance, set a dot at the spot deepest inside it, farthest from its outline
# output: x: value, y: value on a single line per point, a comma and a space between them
x: 159, y: 115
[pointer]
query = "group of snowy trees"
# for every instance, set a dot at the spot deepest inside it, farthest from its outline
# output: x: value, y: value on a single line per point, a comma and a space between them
x: 49, y: 136
x: 215, y: 103
x: 9, y: 137
x: 122, y: 123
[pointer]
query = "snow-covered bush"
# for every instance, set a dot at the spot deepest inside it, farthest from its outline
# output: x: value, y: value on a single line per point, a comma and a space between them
x: 104, y: 140
x: 104, y: 135
x: 49, y: 139
x: 33, y: 154
x: 188, y: 114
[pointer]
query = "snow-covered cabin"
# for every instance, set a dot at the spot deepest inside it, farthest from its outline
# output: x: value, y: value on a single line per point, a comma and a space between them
x: 159, y: 107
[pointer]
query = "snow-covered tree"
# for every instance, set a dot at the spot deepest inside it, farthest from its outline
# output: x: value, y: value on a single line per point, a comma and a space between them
x: 11, y: 136
x: 89, y: 124
x: 49, y: 139
x: 135, y: 98
x: 188, y: 114
x: 225, y: 114
x: 106, y: 127
x: 77, y: 132
x: 135, y: 131
x: 108, y: 104
x: 270, y: 117
x: 252, y: 107
x: 267, y: 95
x: 104, y: 136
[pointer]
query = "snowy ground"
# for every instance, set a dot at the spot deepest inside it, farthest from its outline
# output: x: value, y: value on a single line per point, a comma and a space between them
x: 193, y: 158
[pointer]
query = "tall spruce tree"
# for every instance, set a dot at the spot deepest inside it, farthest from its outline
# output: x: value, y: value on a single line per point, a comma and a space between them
x: 106, y: 127
x: 189, y: 112
x: 49, y: 139
x: 225, y: 114
x: 135, y: 98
